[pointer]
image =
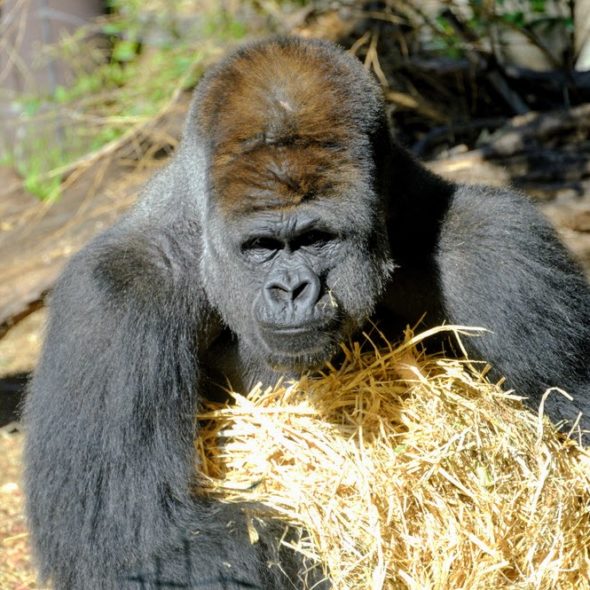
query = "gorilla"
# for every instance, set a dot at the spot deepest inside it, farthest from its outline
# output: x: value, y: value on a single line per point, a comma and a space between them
x: 288, y: 220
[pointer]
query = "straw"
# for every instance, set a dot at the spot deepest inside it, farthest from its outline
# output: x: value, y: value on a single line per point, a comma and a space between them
x: 407, y: 470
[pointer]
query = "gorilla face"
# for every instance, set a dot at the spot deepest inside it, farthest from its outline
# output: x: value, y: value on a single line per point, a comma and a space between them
x: 294, y: 283
x: 295, y: 250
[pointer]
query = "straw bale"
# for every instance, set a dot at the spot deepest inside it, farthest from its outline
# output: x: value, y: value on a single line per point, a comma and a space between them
x: 407, y: 471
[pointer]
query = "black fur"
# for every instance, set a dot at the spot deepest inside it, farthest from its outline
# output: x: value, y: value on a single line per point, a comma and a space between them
x: 182, y: 294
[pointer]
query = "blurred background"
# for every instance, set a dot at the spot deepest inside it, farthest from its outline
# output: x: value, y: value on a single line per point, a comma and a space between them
x: 92, y: 98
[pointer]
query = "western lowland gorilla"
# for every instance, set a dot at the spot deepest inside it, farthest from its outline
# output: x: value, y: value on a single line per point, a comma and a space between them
x: 288, y: 220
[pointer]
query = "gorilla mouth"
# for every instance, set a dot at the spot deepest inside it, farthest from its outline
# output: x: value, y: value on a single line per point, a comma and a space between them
x: 303, y: 346
x: 301, y: 329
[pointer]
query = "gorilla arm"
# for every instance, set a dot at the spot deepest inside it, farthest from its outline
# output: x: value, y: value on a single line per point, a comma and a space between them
x: 482, y: 256
x: 501, y: 266
x: 111, y: 420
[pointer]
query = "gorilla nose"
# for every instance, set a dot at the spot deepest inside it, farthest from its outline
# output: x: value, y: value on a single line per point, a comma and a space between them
x: 298, y: 289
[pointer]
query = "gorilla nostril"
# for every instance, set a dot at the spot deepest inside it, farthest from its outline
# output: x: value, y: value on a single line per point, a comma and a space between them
x: 282, y: 292
x: 307, y: 292
x: 279, y: 291
x: 299, y: 290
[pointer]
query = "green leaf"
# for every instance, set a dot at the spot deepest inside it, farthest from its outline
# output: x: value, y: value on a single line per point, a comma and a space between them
x: 515, y: 18
x: 61, y: 94
x: 538, y: 5
x: 31, y: 106
x: 112, y: 28
x: 125, y: 50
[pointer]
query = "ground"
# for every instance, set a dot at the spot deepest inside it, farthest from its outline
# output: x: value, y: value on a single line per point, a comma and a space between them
x: 16, y: 569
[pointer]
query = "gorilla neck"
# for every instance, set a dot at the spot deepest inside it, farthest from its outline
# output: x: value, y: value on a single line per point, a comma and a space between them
x: 229, y: 366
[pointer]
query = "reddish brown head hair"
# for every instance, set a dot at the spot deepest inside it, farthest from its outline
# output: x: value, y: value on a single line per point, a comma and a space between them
x: 286, y: 122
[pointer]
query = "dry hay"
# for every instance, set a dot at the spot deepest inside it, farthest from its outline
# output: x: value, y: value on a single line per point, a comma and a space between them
x: 408, y: 471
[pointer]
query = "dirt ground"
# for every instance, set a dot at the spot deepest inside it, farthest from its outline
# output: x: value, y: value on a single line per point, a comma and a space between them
x: 16, y: 569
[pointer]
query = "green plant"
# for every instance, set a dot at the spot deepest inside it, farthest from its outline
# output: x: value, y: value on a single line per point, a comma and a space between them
x: 155, y: 49
x: 478, y: 23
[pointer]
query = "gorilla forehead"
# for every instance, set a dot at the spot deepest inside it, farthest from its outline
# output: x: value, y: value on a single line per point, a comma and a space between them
x: 284, y: 125
x: 277, y: 177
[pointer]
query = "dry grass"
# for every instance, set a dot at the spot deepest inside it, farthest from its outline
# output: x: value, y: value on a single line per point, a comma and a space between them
x: 408, y: 471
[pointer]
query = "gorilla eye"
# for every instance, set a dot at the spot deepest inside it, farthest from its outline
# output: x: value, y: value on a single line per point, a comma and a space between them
x: 262, y: 246
x: 314, y: 238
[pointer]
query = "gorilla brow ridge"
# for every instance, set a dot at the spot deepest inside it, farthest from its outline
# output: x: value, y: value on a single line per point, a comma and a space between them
x: 262, y: 139
x: 280, y: 176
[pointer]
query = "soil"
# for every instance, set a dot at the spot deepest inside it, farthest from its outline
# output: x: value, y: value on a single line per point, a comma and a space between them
x: 16, y: 567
